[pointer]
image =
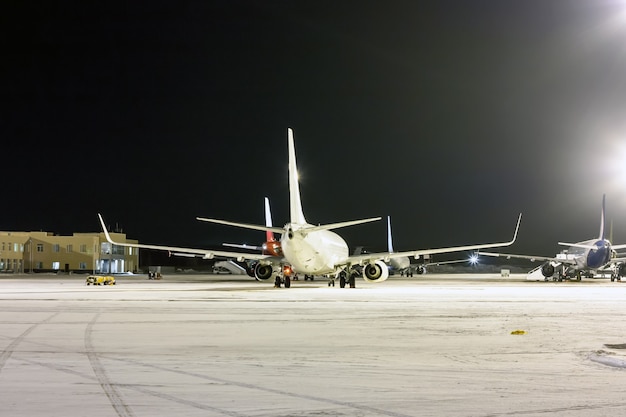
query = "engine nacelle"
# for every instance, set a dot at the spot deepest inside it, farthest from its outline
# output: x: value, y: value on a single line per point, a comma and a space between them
x: 621, y: 270
x: 263, y: 272
x: 375, y: 272
x: 547, y: 270
x: 421, y: 270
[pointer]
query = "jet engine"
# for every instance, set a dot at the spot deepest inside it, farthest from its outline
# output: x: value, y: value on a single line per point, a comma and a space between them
x: 547, y: 270
x: 263, y: 272
x: 375, y: 272
x: 621, y: 270
x: 421, y: 270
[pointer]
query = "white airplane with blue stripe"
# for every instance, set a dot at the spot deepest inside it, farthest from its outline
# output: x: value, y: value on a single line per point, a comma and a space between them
x: 587, y: 256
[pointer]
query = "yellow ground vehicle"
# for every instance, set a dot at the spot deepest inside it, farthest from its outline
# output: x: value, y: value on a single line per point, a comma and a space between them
x: 100, y: 280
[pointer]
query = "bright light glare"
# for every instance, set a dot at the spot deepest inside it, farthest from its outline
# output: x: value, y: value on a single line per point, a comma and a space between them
x: 615, y: 164
x: 473, y: 259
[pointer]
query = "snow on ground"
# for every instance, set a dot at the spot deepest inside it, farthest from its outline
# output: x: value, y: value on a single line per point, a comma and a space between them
x: 229, y: 346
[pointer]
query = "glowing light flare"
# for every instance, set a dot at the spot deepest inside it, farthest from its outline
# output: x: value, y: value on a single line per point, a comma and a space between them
x: 608, y: 20
x: 473, y: 259
x: 615, y: 164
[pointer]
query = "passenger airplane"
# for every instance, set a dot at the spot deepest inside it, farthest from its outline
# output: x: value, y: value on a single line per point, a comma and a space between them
x: 587, y: 256
x: 271, y: 247
x: 311, y: 249
x: 404, y: 266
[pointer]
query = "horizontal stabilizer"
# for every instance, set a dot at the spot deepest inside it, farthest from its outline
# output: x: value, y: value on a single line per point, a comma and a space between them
x: 244, y: 225
x: 341, y: 224
x: 578, y: 245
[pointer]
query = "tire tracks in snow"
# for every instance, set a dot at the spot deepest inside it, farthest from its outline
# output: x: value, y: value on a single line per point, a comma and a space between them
x: 117, y: 401
x: 8, y: 351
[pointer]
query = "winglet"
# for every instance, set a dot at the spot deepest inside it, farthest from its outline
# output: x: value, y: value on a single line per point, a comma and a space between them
x: 104, y: 229
x: 519, y: 220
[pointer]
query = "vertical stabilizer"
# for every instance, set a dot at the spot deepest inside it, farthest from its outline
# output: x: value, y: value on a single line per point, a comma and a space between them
x: 601, y: 237
x: 295, y: 205
x: 389, y: 242
x: 269, y: 235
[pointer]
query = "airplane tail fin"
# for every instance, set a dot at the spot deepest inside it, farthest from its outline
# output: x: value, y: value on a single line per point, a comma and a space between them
x: 389, y: 241
x: 269, y: 235
x: 295, y: 204
x: 602, y: 217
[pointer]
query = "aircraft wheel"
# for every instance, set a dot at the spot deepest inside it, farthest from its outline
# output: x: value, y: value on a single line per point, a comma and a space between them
x: 612, y: 278
x: 287, y: 282
x: 277, y: 282
x: 352, y: 282
x: 342, y: 282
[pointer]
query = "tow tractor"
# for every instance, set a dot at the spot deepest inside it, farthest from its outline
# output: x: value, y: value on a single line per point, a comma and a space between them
x: 100, y: 280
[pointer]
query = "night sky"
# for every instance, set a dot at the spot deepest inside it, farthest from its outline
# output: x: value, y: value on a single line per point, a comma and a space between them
x: 450, y: 116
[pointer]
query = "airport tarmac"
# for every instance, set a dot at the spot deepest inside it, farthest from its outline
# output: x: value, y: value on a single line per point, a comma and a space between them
x: 216, y: 345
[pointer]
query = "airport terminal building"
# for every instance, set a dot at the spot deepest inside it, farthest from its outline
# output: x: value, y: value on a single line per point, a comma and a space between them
x: 25, y: 252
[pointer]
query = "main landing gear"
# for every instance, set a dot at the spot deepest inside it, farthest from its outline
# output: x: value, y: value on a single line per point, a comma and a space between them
x: 279, y: 281
x: 346, y: 278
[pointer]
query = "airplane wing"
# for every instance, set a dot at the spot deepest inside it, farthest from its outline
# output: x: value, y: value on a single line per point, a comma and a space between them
x: 530, y: 257
x: 442, y: 262
x: 178, y: 251
x: 243, y: 246
x: 386, y: 256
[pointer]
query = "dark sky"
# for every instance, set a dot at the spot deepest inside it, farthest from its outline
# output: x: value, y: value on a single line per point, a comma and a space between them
x: 450, y: 116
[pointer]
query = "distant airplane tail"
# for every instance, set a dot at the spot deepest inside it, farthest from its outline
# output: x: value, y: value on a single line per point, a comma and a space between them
x: 269, y: 235
x: 602, y: 217
x: 389, y: 241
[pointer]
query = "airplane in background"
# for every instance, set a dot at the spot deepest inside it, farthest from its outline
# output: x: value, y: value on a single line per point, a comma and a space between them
x: 588, y: 256
x: 313, y: 249
x: 403, y: 264
x: 271, y: 247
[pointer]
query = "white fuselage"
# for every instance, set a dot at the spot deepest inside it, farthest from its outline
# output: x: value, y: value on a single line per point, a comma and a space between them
x: 315, y: 252
x: 591, y: 258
